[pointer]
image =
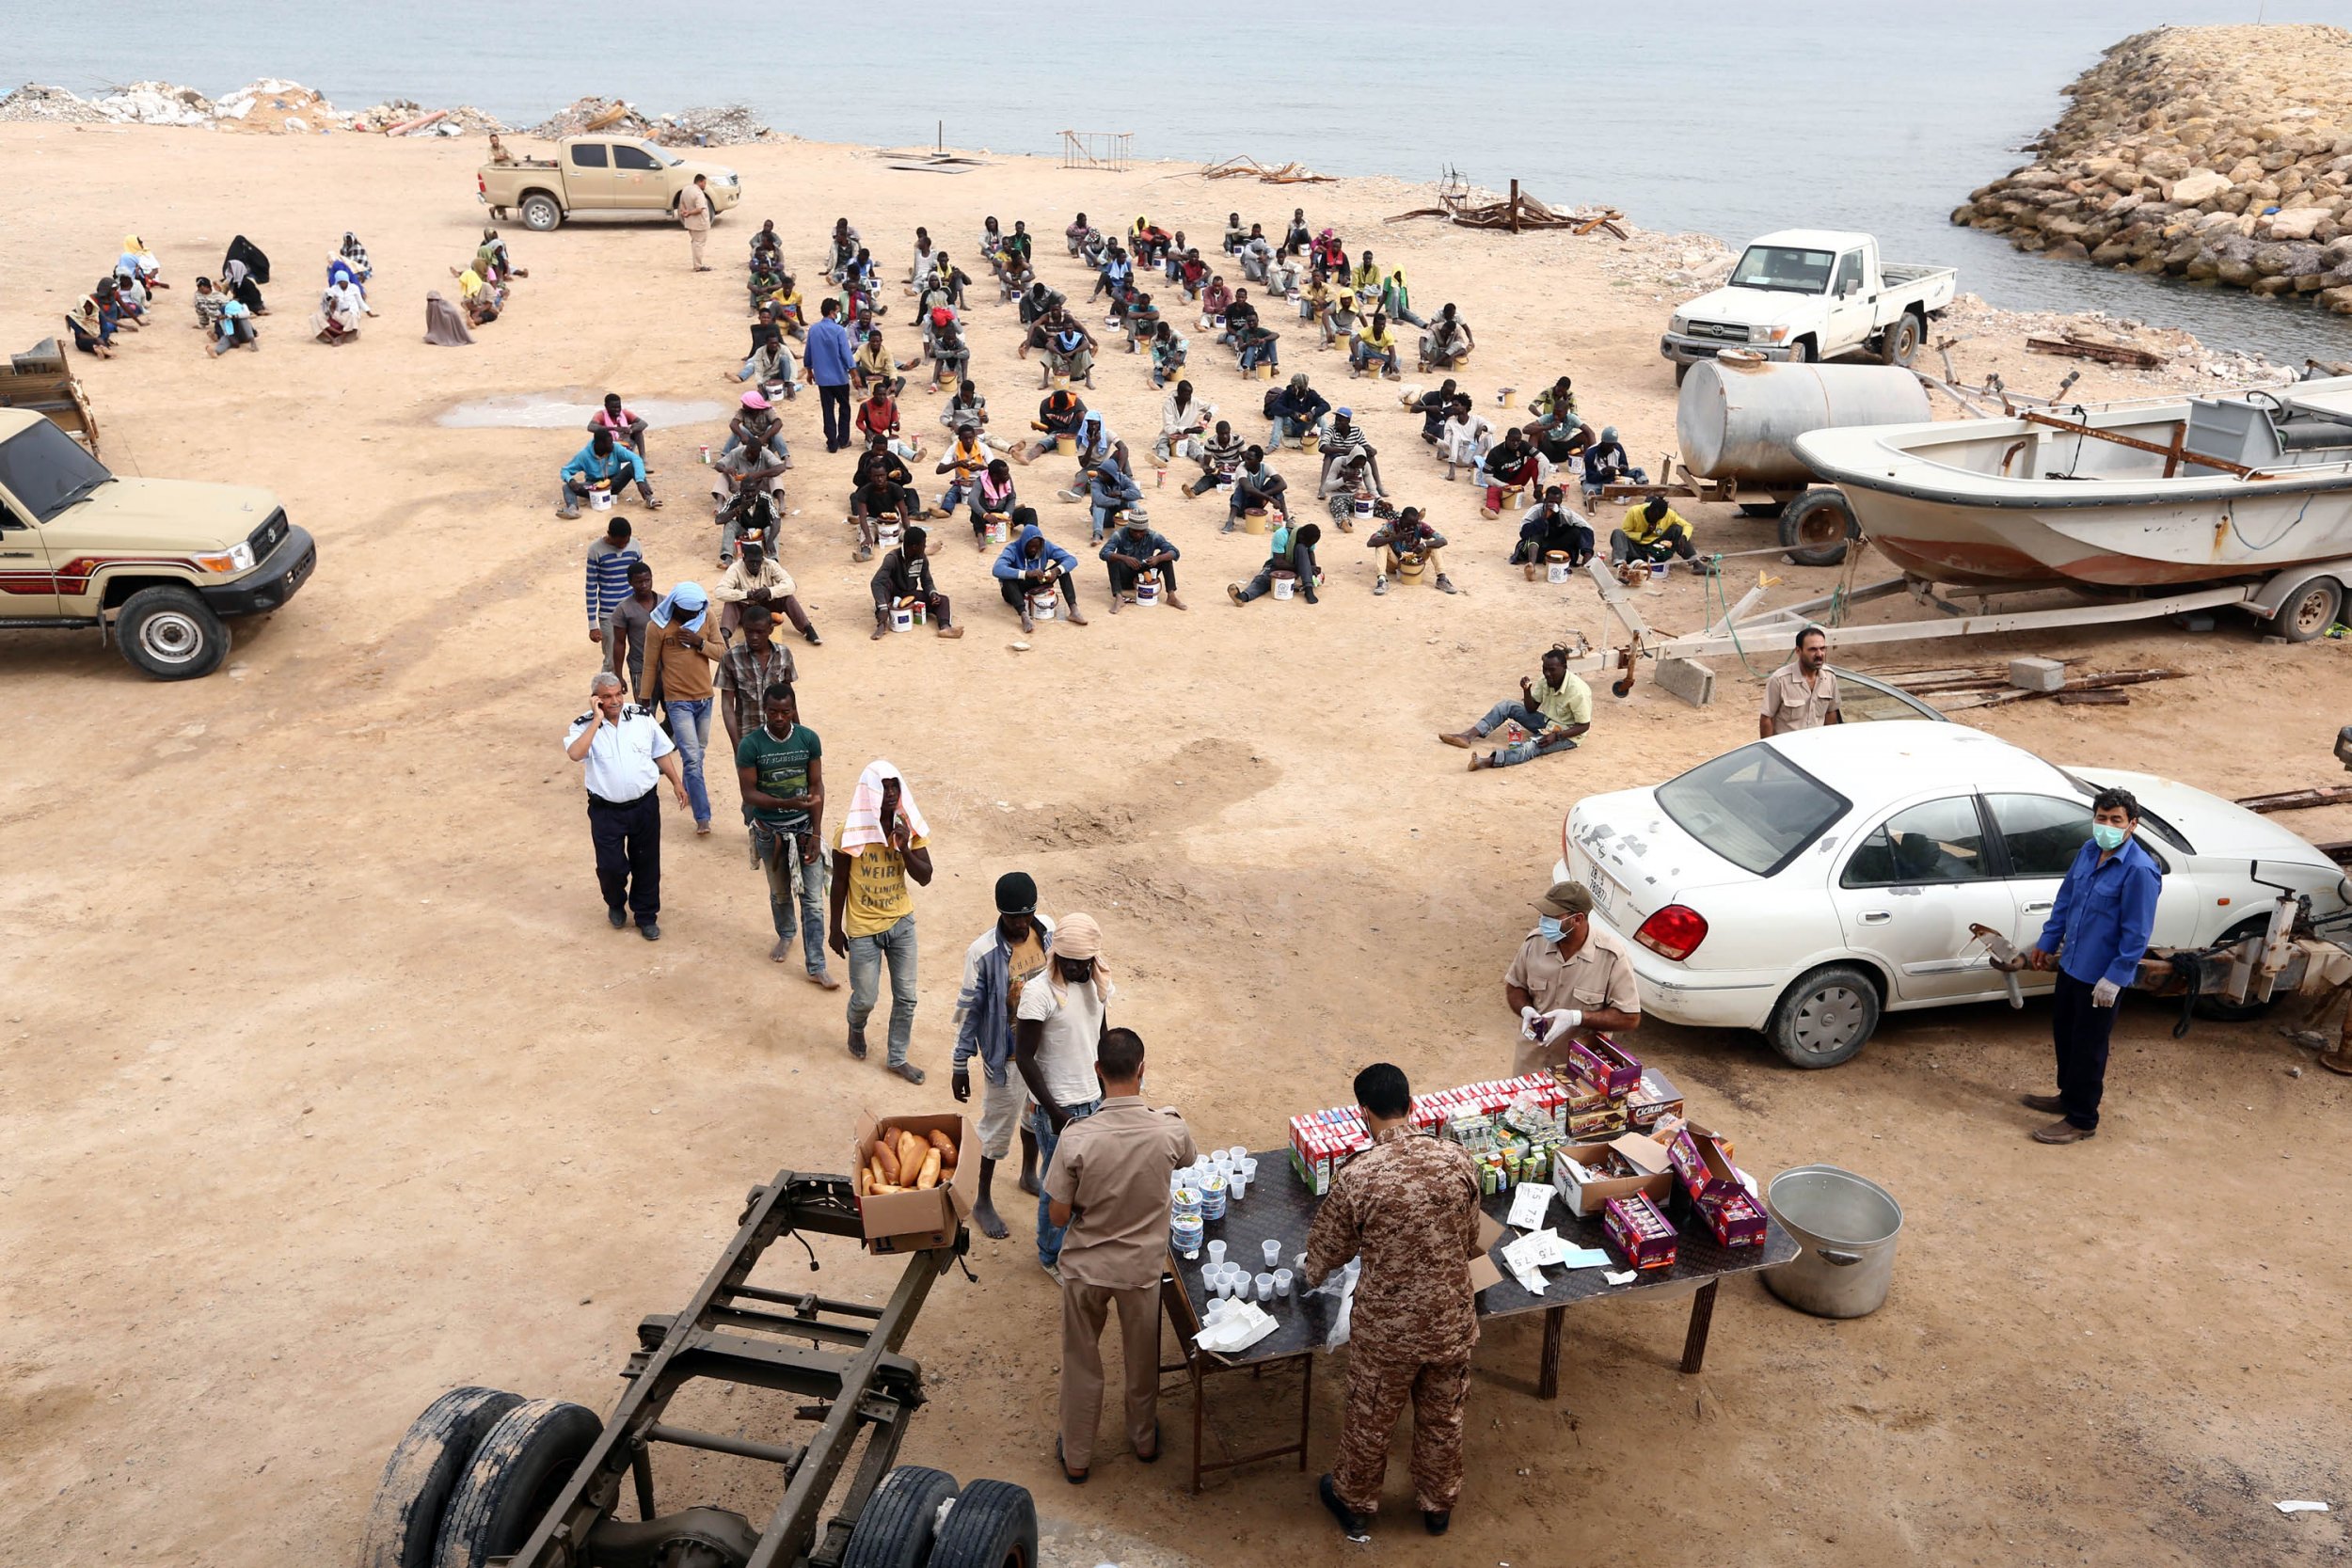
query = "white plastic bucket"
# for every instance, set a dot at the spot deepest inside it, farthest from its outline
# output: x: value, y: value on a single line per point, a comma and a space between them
x: 886, y: 536
x: 1042, y: 605
x: 993, y: 528
x: 1556, y: 566
x: 901, y: 618
x: 600, y: 501
x: 1363, y: 508
x: 1285, y: 584
x: 1146, y: 588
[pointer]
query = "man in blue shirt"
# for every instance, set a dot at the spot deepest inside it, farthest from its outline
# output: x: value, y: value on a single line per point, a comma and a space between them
x: 828, y: 357
x: 2097, y: 931
x: 600, y: 467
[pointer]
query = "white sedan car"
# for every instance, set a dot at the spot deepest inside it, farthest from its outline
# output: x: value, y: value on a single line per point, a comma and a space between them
x: 1804, y: 885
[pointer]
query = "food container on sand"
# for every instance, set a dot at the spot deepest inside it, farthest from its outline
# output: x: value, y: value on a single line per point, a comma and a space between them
x: 1066, y: 445
x: 1042, y: 605
x: 1146, y: 588
x: 1285, y: 584
x: 600, y: 501
x: 901, y: 618
x: 1848, y: 1227
x: 1363, y: 508
x: 1254, y: 521
x: 1556, y: 566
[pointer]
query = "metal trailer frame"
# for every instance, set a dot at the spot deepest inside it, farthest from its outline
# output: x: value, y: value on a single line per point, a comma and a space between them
x: 1738, y: 630
x: 734, y: 1332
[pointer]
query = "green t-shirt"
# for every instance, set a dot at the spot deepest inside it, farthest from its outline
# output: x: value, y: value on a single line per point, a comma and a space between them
x: 780, y: 768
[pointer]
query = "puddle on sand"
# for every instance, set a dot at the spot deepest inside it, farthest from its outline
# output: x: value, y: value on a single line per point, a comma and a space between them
x: 569, y: 410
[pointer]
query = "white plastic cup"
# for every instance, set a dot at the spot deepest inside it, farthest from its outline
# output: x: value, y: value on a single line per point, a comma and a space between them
x: 1222, y: 1284
x: 1240, y: 1153
x: 1249, y: 1170
x: 1273, y: 1250
x: 1237, y: 1187
x: 1216, y: 1255
x: 1266, y: 1288
x: 1282, y: 1283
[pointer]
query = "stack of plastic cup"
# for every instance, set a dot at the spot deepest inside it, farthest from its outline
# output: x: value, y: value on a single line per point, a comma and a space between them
x: 1282, y: 1283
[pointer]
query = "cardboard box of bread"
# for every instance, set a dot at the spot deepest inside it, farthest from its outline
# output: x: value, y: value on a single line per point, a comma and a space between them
x: 907, y: 1196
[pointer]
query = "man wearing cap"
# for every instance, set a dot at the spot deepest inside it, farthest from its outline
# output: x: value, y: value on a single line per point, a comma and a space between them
x: 1570, y: 977
x: 1346, y: 438
x: 1058, y: 1026
x: 1000, y: 962
x: 1802, y: 694
x: 625, y: 756
x: 1408, y: 1208
x: 1108, y: 1187
x: 1133, y: 548
x: 1294, y: 412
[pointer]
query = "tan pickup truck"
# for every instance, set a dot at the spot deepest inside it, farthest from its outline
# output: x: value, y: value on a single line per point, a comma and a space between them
x: 598, y: 174
x: 163, y: 563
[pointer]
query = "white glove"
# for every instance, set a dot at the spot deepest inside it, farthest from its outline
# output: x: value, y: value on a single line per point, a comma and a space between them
x: 1560, y: 1022
x: 2103, y: 994
x: 1527, y: 1023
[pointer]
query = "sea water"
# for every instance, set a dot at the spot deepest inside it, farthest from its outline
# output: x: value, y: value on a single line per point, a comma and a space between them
x: 1719, y: 117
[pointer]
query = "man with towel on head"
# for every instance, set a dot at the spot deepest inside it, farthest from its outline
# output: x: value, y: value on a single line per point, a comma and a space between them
x: 883, y: 840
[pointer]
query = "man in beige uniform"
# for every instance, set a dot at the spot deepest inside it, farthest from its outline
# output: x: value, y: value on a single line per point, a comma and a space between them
x: 1570, y: 976
x: 694, y: 210
x: 1108, y: 1185
x: 1801, y: 694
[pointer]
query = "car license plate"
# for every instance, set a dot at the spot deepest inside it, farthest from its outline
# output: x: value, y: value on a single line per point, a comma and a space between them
x: 1605, y: 892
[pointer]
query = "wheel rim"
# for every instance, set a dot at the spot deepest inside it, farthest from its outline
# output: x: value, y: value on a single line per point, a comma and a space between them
x: 2315, y: 609
x: 1827, y: 1021
x: 171, y: 637
x: 1822, y: 526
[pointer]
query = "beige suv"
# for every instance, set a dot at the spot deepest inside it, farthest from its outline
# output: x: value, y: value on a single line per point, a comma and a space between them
x: 598, y: 174
x: 160, y: 564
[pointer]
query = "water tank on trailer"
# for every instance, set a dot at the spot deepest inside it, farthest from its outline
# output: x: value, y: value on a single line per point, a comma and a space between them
x: 1741, y: 418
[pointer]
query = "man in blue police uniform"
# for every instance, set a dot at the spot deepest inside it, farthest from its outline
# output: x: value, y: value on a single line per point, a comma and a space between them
x: 626, y: 755
x: 2097, y: 931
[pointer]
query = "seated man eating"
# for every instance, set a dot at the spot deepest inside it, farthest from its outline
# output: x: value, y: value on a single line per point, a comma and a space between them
x: 1031, y: 565
x: 905, y: 577
x: 1132, y: 548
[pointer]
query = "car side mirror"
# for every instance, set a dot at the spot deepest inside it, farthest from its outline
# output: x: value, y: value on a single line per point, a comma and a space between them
x: 1853, y: 286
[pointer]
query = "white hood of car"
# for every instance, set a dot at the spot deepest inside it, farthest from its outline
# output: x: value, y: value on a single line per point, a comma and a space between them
x: 2221, y: 830
x: 1742, y: 307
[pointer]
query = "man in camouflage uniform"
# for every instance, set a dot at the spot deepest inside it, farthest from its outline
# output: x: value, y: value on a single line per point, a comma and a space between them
x: 1408, y: 1207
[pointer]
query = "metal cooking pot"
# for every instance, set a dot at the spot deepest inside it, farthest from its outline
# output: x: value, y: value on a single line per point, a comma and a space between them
x: 1848, y: 1227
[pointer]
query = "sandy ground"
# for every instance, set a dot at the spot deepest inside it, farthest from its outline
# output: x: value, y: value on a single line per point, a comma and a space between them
x: 327, y: 1086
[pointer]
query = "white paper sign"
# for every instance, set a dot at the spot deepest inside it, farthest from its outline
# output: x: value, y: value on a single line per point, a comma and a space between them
x: 1530, y: 1202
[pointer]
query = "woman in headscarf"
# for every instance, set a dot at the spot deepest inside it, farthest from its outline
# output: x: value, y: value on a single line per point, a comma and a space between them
x: 1397, y: 300
x: 444, y: 323
x: 93, y: 330
x: 244, y: 250
x: 882, y: 841
x: 490, y: 258
x: 350, y: 280
x: 355, y: 255
x: 237, y: 280
x: 140, y: 263
x: 337, y: 319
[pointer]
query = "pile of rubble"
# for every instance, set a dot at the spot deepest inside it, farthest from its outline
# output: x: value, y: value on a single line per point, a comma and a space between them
x: 2215, y: 153
x: 271, y: 105
x: 276, y: 105
x: 405, y: 117
x: 726, y: 126
x: 52, y: 105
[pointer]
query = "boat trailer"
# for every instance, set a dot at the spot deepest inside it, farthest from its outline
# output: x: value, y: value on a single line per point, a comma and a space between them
x: 488, y: 1477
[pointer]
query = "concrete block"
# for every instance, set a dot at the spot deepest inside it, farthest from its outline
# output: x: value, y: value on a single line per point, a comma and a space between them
x: 2037, y: 674
x: 1688, y: 679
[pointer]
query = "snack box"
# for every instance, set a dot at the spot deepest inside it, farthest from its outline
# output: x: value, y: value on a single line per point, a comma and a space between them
x: 1602, y: 1062
x: 1703, y: 1161
x: 1652, y: 1101
x: 1584, y: 1199
x: 913, y: 1221
x: 1597, y: 1126
x: 1737, y: 1220
x: 1640, y: 1232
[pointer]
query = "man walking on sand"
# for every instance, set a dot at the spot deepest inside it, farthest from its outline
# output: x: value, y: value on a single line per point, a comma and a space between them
x: 626, y: 757
x: 1109, y: 1187
x: 780, y: 769
x: 829, y: 357
x: 1000, y: 962
x: 694, y: 210
x: 882, y: 841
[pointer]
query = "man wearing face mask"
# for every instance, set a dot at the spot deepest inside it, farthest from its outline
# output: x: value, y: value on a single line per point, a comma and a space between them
x: 1064, y: 1015
x: 2095, y: 938
x: 1571, y: 977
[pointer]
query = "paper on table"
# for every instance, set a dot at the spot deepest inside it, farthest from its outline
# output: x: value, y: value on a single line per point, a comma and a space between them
x: 1530, y: 1202
x: 1626, y: 1278
x: 1585, y: 1258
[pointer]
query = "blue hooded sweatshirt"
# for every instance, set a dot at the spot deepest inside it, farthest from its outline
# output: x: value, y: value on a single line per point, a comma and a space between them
x: 1013, y: 562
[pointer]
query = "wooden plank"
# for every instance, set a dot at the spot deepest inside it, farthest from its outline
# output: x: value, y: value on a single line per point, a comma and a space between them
x: 2072, y: 428
x: 2091, y: 699
x: 2298, y: 800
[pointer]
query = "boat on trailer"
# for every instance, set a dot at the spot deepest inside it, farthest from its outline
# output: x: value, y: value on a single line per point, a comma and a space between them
x: 2131, y: 496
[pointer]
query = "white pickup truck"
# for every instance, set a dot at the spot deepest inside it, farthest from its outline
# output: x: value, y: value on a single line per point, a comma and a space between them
x: 1810, y: 293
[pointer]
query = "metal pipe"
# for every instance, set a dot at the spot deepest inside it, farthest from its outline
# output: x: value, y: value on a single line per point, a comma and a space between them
x: 743, y: 1447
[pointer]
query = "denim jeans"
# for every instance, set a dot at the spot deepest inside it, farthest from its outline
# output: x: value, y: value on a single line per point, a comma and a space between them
x: 782, y: 852
x: 1260, y: 354
x: 1048, y: 1233
x: 866, y: 963
x: 689, y: 726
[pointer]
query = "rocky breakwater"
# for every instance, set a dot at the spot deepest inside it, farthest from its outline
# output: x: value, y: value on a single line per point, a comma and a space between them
x: 2211, y: 154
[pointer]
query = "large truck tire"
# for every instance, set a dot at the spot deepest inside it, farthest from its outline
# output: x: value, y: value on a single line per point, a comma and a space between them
x: 405, y: 1521
x: 1814, y: 527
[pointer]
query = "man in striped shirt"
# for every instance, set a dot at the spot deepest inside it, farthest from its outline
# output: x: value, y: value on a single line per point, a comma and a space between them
x: 608, y: 561
x: 1221, y: 455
